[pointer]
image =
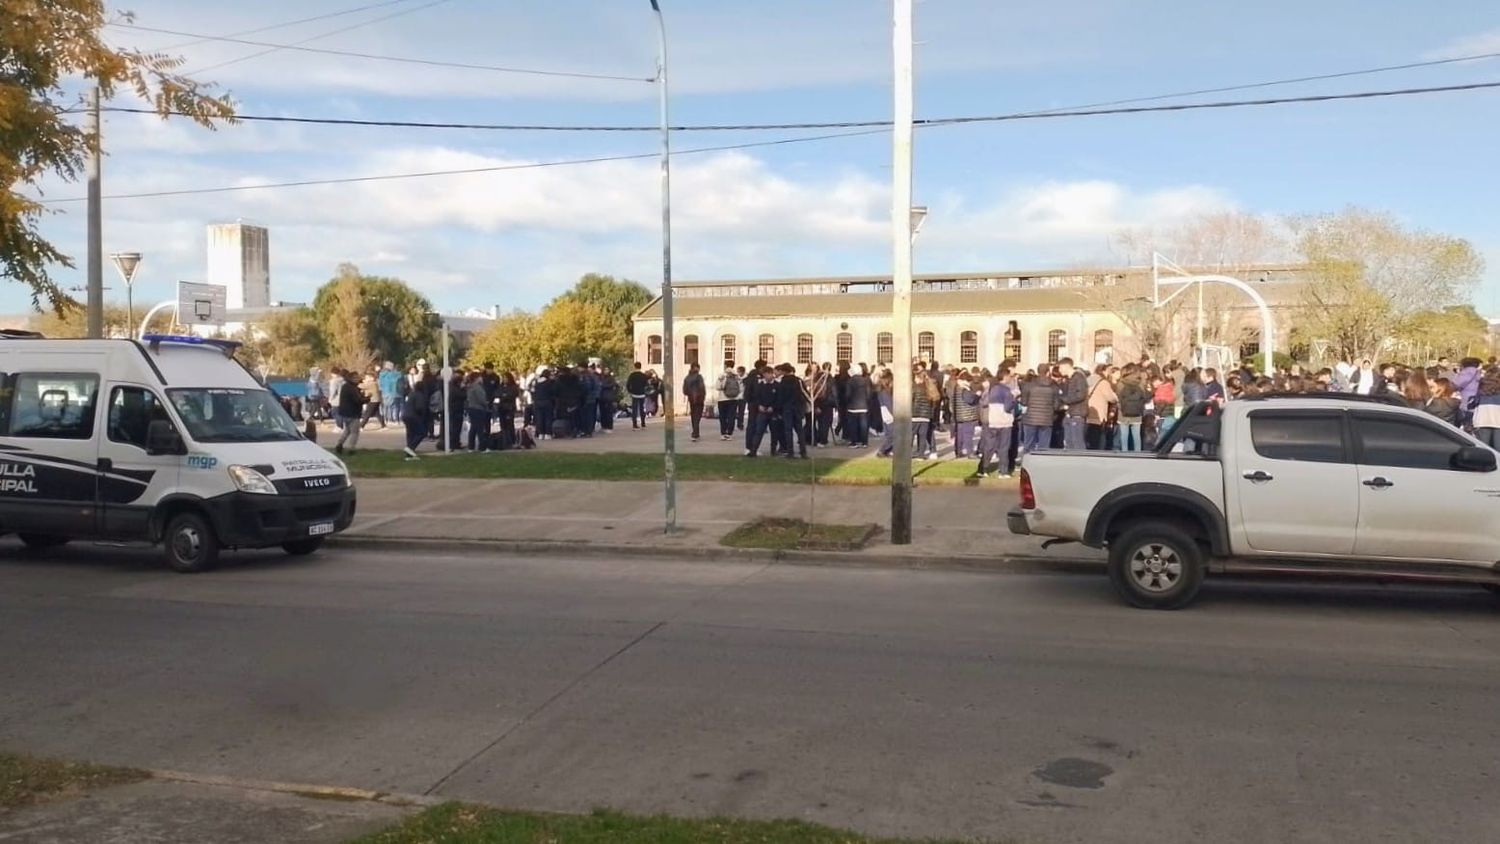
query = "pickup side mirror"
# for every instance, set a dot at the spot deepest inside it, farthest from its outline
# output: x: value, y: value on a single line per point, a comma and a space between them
x: 1473, y: 458
x: 162, y: 438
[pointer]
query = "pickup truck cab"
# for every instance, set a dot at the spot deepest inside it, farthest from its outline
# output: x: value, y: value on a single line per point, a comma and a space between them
x: 1325, y: 484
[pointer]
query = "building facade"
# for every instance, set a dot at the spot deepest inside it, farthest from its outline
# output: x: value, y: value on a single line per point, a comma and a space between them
x: 960, y: 319
x: 239, y: 259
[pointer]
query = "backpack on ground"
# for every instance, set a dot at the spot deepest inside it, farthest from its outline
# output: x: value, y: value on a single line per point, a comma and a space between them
x: 731, y: 387
x: 526, y: 440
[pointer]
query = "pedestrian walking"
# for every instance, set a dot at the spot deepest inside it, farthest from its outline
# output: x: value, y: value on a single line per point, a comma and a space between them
x: 695, y: 390
x: 728, y: 388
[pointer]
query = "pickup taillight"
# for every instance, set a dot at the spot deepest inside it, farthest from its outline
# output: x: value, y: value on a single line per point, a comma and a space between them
x: 1028, y: 495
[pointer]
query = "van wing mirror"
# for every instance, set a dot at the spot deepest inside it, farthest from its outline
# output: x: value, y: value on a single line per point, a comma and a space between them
x: 1473, y: 458
x: 162, y: 438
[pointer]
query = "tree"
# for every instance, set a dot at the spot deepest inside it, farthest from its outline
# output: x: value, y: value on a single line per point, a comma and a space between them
x: 511, y: 344
x: 71, y: 320
x: 344, y: 325
x: 622, y: 299
x: 44, y: 47
x: 570, y: 332
x: 1456, y: 331
x: 1368, y: 274
x: 395, y: 321
x: 288, y: 343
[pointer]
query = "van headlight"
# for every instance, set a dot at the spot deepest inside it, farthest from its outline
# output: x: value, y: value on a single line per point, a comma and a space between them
x: 249, y: 480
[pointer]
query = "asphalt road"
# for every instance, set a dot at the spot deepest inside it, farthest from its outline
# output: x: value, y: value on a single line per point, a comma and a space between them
x: 1034, y: 708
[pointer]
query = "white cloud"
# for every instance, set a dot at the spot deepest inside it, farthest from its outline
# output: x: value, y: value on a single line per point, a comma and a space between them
x: 1478, y: 44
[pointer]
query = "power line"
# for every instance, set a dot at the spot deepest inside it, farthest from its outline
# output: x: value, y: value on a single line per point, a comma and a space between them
x: 357, y: 9
x: 854, y: 124
x: 329, y: 34
x: 472, y: 170
x: 870, y: 130
x: 397, y: 59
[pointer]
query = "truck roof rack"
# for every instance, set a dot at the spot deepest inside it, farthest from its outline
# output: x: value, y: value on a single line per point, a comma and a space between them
x: 1388, y: 398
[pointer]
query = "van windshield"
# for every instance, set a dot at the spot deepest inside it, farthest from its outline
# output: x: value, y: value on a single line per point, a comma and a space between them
x: 223, y: 415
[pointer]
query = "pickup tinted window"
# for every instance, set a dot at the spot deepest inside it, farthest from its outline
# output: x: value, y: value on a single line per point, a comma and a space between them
x: 1405, y: 443
x: 1315, y: 438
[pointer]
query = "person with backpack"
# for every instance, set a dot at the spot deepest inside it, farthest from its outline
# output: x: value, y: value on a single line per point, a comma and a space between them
x: 1132, y: 404
x: 696, y: 392
x: 728, y: 387
x: 1040, y: 397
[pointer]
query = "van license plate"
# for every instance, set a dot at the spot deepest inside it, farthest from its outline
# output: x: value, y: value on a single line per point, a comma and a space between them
x: 320, y: 529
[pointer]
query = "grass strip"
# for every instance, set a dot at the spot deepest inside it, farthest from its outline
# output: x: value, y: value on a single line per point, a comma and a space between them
x: 618, y: 466
x: 456, y: 823
x: 25, y: 780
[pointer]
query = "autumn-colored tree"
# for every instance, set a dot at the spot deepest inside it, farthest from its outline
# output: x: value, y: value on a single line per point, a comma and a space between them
x: 571, y: 332
x: 396, y: 321
x: 511, y: 344
x: 1368, y: 274
x: 621, y: 298
x: 1455, y: 332
x: 288, y: 343
x: 44, y: 46
x: 71, y: 320
x: 344, y: 325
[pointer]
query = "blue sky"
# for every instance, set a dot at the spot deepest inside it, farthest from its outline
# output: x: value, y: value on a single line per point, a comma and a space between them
x: 1009, y: 195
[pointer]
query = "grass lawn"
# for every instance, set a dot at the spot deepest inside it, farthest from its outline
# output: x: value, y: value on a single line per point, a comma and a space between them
x: 455, y: 823
x: 615, y: 466
x: 26, y: 779
x: 790, y: 534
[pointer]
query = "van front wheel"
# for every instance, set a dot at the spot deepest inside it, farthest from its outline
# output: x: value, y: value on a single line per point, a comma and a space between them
x: 303, y: 547
x: 190, y: 543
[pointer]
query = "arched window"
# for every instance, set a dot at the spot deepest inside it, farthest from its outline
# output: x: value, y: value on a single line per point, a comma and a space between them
x: 1013, y: 342
x: 844, y: 346
x: 1104, y: 346
x: 1057, y: 345
x: 690, y: 349
x: 768, y: 348
x: 727, y: 349
x: 804, y: 348
x: 968, y: 347
x: 885, y: 347
x: 927, y: 345
x: 653, y: 350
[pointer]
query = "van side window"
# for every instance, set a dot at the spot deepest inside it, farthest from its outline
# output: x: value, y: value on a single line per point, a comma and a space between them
x: 54, y: 405
x: 131, y: 412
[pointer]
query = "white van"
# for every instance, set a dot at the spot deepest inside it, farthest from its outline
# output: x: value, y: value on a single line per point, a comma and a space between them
x: 166, y: 439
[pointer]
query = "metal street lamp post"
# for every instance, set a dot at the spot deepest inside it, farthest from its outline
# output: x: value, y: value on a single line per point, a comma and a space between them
x: 669, y: 376
x: 127, y: 263
x: 902, y: 233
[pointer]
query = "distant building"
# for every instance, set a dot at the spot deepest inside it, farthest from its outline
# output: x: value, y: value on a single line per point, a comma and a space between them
x: 239, y: 259
x: 1035, y: 317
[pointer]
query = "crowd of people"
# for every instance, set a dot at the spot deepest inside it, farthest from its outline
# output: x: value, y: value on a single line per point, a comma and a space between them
x: 995, y: 417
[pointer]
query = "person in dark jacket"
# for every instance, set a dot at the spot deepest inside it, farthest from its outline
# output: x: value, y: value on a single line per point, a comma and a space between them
x: 635, y: 387
x: 965, y: 413
x: 858, y: 395
x: 544, y: 403
x: 507, y: 395
x: 761, y: 394
x: 840, y: 398
x: 827, y: 399
x: 695, y: 390
x: 349, y: 405
x: 1132, y: 404
x: 792, y: 400
x: 416, y: 413
x: 750, y: 398
x: 1039, y: 397
x: 1075, y: 401
x: 926, y: 404
x: 477, y: 409
x: 609, y: 399
x: 569, y: 394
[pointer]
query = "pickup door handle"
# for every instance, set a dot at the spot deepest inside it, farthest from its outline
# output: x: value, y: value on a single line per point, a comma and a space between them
x: 1378, y: 483
x: 1258, y: 476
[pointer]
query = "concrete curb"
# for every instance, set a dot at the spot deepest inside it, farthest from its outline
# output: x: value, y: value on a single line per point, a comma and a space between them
x: 325, y: 792
x: 1012, y: 564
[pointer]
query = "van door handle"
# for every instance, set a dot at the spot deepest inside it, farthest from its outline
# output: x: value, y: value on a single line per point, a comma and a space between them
x: 1258, y: 476
x: 106, y: 465
x: 1378, y: 482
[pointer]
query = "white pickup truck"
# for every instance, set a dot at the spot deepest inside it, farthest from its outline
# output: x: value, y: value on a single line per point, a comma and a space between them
x: 1305, y: 484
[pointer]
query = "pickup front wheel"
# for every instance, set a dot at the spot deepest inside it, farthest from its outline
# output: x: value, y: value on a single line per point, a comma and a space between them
x: 1156, y: 566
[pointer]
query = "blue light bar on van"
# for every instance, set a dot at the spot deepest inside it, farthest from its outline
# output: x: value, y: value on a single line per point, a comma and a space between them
x: 228, y: 347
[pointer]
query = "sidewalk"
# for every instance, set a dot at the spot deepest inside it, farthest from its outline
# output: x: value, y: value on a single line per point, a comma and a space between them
x: 951, y: 525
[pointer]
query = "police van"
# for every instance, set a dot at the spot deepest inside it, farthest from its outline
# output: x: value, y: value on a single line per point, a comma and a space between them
x: 164, y: 440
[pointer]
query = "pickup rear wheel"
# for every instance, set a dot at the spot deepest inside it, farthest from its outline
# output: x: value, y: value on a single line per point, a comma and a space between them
x: 1156, y: 566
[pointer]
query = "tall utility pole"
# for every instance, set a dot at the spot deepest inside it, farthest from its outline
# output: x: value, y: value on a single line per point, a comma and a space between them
x: 901, y: 245
x: 95, y: 232
x: 668, y: 343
